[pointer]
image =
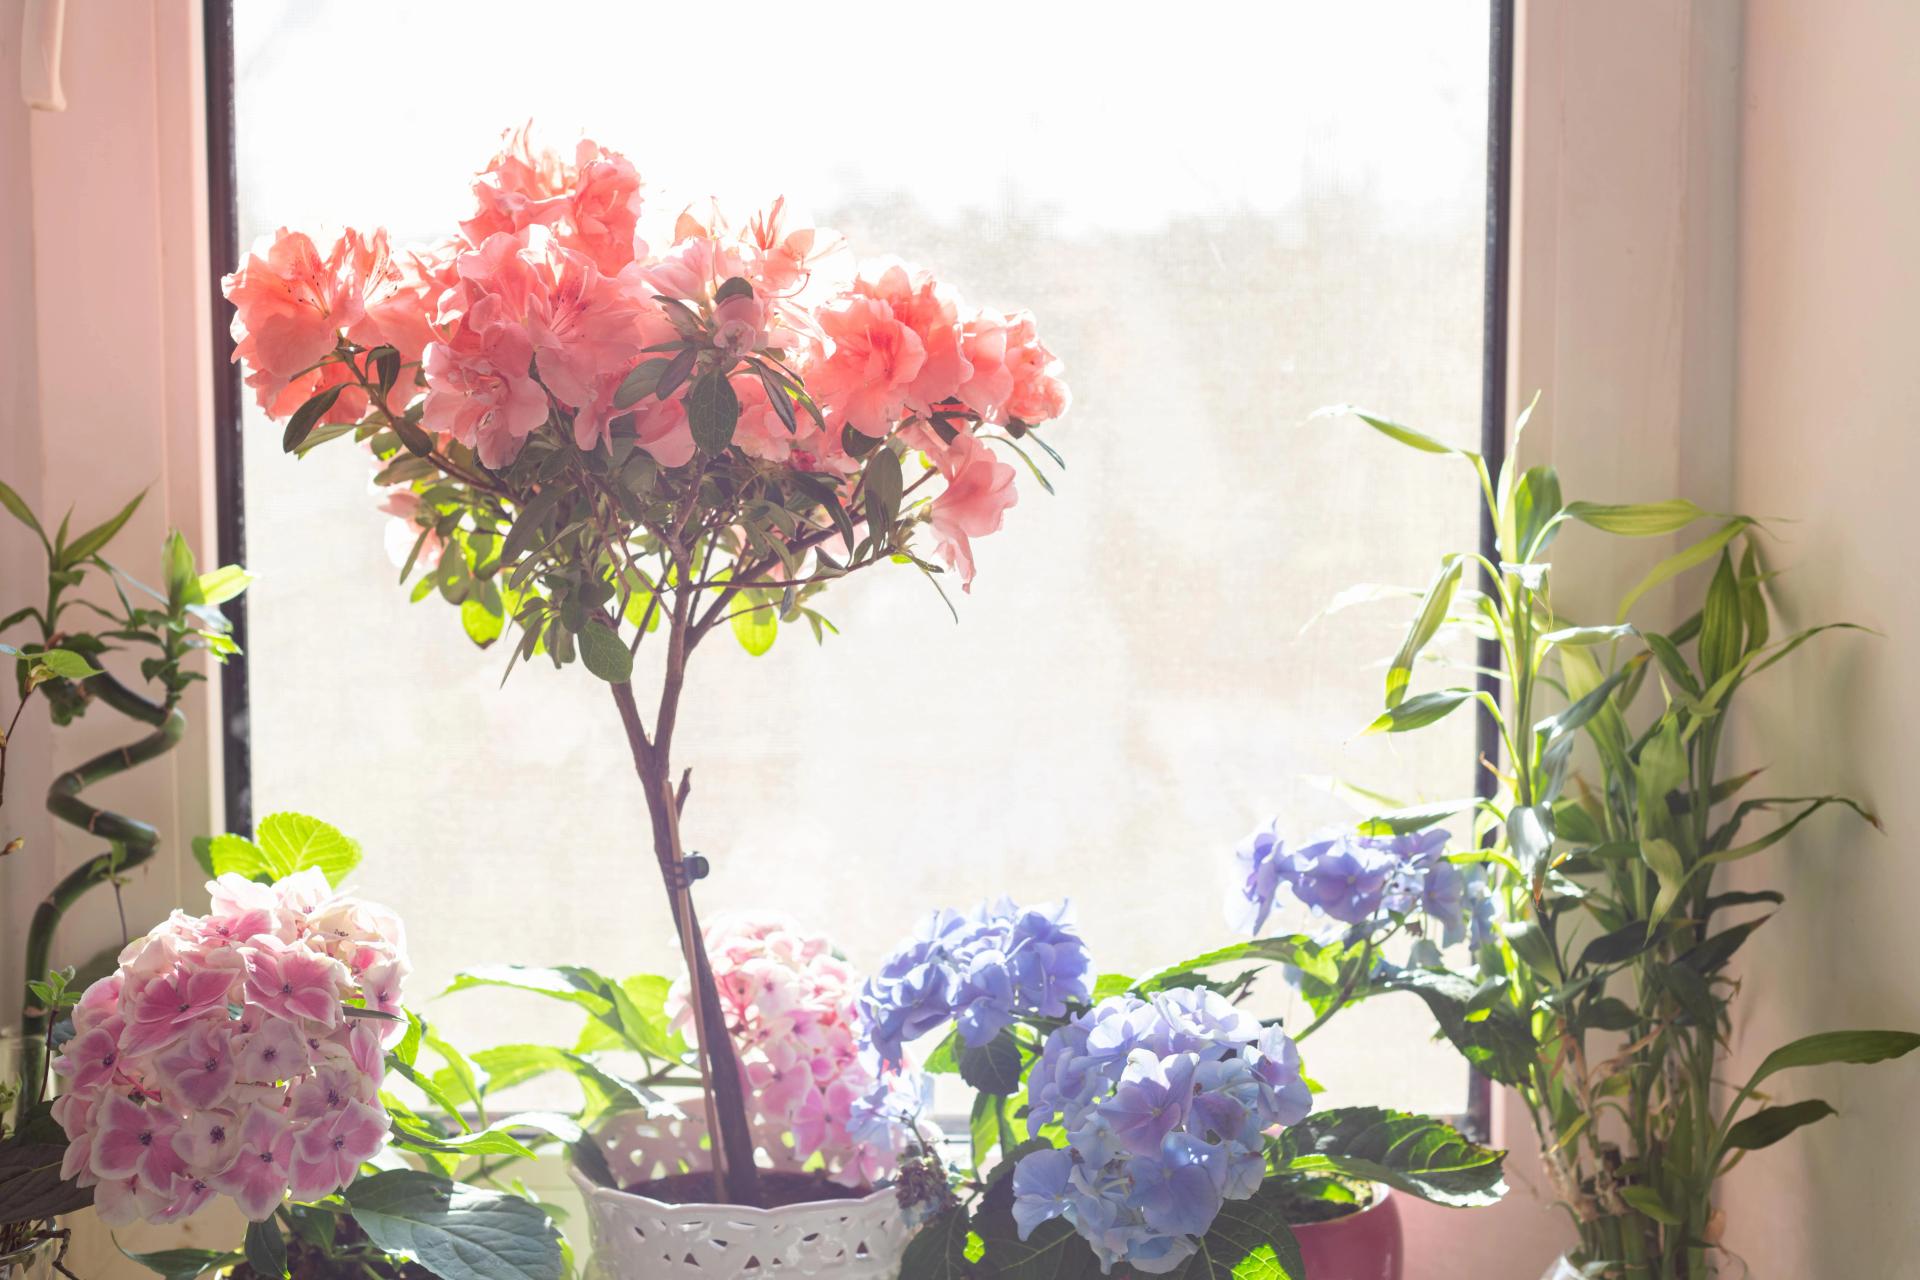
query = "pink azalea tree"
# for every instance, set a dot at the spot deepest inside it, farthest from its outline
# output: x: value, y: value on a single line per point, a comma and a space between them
x: 585, y: 443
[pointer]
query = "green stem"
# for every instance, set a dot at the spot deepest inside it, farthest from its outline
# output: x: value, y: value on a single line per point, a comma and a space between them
x: 131, y: 843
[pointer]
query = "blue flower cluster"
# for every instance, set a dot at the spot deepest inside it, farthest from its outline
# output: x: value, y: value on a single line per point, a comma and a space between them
x: 1164, y: 1101
x: 1354, y: 878
x: 982, y: 970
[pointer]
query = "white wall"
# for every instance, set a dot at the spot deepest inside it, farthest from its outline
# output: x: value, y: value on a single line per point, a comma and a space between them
x: 1827, y: 406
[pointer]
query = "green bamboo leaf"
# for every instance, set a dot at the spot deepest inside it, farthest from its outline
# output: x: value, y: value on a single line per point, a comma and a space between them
x: 1636, y: 519
x: 1439, y: 599
x: 96, y: 538
x: 1770, y: 1124
x: 1665, y: 862
x: 1855, y: 1047
x: 1678, y: 563
x: 1722, y: 624
x: 1812, y: 805
x: 20, y: 511
x: 1648, y: 1201
x: 1418, y: 712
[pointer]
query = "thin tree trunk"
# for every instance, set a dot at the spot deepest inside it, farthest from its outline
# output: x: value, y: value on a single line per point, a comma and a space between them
x: 735, y: 1139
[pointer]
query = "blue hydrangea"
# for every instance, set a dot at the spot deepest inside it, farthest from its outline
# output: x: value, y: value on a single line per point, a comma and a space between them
x: 982, y: 971
x: 1354, y: 879
x: 1165, y: 1102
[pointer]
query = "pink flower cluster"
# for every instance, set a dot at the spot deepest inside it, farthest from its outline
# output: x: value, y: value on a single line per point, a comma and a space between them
x: 793, y: 1009
x: 531, y: 319
x: 219, y: 1058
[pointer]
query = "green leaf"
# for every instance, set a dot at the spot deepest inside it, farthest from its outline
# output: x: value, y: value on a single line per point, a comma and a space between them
x: 993, y: 1067
x: 1422, y: 1156
x: 68, y: 665
x: 94, y: 539
x: 605, y: 654
x: 1439, y: 599
x: 1858, y: 1047
x: 1418, y: 712
x: 640, y: 381
x: 16, y: 505
x: 482, y: 625
x: 1536, y: 511
x: 712, y: 411
x: 1622, y: 944
x: 266, y: 1248
x: 1665, y: 862
x: 1496, y: 1041
x: 1770, y: 1124
x: 308, y: 416
x: 1753, y: 598
x: 1638, y: 519
x: 291, y: 842
x: 183, y: 576
x: 884, y: 487
x: 223, y: 584
x: 1722, y: 624
x: 1249, y: 1240
x: 1813, y: 805
x: 641, y: 1002
x: 1394, y: 431
x: 456, y: 1231
x: 30, y: 1183
x: 756, y: 627
x: 184, y: 1264
x: 572, y: 984
x: 237, y: 854
x: 1054, y: 1251
x: 1678, y: 563
x: 1648, y: 1201
x: 939, y: 1250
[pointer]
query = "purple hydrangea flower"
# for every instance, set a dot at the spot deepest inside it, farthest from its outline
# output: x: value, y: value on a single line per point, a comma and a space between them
x: 1165, y: 1102
x: 1355, y: 879
x: 981, y: 971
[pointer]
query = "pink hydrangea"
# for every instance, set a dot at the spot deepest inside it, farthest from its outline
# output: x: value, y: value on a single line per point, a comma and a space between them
x: 792, y: 1008
x: 221, y: 1057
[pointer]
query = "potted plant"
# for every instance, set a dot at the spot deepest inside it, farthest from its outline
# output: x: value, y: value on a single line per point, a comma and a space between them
x: 243, y: 1054
x: 1021, y: 1018
x: 1147, y: 1126
x: 1604, y: 996
x: 595, y: 444
x: 70, y: 633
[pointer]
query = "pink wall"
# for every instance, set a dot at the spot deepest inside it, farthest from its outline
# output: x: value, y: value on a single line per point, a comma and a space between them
x: 1828, y: 397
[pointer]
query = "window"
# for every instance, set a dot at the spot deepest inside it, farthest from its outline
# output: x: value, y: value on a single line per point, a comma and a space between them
x: 1222, y: 225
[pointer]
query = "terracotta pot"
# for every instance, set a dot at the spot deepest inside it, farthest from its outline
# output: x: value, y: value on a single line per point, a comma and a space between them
x: 1361, y: 1246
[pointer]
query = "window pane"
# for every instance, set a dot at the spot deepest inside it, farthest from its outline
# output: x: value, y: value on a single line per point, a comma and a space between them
x: 1221, y: 224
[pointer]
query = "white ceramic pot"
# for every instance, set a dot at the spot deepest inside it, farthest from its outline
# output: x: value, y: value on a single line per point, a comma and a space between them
x: 639, y: 1238
x: 1562, y: 1270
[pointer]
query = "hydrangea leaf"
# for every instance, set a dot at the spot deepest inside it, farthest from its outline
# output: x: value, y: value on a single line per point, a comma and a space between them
x: 456, y: 1231
x: 1416, y: 1154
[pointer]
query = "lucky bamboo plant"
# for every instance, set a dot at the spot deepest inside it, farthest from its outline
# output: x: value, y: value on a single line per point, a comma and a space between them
x: 72, y: 632
x: 595, y: 444
x: 1604, y: 995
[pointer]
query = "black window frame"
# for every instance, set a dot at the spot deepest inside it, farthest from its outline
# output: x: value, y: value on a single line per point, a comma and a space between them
x: 229, y: 456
